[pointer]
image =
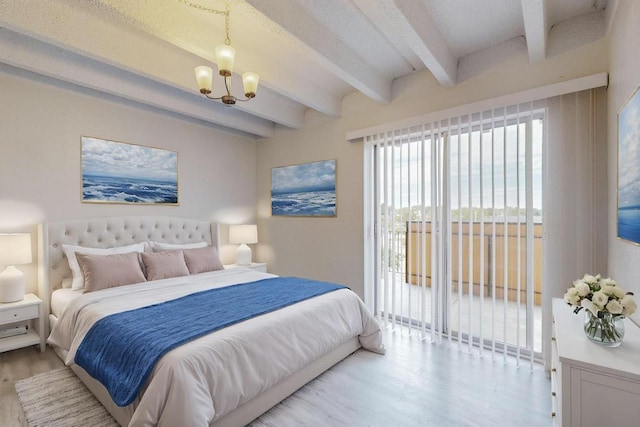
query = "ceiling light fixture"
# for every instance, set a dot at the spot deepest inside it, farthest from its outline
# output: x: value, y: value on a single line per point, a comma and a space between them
x: 225, y: 57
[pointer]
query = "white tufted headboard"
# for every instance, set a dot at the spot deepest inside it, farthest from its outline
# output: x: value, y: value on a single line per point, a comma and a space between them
x: 107, y: 233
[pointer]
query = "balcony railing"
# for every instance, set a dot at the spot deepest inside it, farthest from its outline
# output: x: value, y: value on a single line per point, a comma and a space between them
x: 497, y: 264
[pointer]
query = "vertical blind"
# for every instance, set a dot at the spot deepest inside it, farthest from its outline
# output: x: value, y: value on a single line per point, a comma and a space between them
x: 455, y: 208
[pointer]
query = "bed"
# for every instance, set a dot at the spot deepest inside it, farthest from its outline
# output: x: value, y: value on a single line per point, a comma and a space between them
x: 241, y: 370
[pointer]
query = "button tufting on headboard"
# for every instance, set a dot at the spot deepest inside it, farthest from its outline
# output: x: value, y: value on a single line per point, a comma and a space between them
x: 109, y: 232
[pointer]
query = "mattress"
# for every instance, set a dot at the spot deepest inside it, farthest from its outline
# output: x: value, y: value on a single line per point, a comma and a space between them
x: 61, y: 298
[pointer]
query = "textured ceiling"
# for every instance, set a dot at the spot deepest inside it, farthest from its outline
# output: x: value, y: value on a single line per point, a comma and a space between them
x: 309, y: 53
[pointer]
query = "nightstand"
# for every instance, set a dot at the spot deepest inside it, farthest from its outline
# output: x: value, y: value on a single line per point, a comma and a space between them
x: 257, y: 266
x: 30, y: 308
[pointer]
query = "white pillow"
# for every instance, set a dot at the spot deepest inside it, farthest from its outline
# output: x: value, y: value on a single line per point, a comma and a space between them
x: 70, y: 251
x: 159, y: 246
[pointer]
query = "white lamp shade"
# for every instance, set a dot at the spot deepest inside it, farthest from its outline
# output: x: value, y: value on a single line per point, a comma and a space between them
x: 243, y: 234
x: 204, y: 76
x: 250, y: 83
x: 225, y: 56
x: 15, y: 249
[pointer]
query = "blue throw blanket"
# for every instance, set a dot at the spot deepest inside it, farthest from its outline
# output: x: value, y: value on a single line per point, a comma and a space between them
x: 121, y: 350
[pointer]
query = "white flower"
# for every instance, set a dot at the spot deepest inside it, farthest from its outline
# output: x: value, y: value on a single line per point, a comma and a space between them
x: 628, y: 305
x: 571, y: 296
x: 600, y: 299
x: 618, y: 293
x: 598, y: 294
x: 582, y: 288
x: 590, y: 306
x: 614, y: 307
x: 608, y: 282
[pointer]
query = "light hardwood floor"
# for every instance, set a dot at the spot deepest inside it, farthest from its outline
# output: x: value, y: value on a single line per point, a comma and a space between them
x: 414, y: 384
x: 14, y: 366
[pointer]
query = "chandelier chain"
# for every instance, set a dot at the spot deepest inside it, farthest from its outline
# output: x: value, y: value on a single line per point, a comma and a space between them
x: 224, y: 13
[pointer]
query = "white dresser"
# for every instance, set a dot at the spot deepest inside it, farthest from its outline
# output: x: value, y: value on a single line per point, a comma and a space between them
x: 593, y: 385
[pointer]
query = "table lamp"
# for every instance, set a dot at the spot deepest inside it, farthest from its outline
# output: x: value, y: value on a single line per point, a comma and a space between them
x: 15, y: 249
x: 243, y: 234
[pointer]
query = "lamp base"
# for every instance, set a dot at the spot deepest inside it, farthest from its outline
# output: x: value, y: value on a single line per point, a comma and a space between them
x: 11, y: 285
x: 243, y: 255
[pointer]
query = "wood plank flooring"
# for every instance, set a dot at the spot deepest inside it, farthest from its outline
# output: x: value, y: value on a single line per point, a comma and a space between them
x: 14, y: 366
x: 414, y: 384
x: 419, y: 384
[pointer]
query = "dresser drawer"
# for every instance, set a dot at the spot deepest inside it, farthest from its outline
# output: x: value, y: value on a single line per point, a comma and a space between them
x: 19, y: 313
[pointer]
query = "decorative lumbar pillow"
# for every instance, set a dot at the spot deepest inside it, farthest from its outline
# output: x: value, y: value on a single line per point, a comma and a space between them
x: 160, y: 247
x: 202, y: 259
x: 163, y: 265
x: 109, y: 271
x: 70, y: 251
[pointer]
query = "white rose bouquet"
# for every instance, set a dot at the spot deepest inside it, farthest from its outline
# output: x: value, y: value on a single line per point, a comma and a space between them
x: 600, y: 295
x: 607, y: 305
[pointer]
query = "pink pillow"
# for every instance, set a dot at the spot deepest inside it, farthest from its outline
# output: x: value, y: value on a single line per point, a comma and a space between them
x: 163, y: 265
x: 202, y: 259
x: 109, y: 271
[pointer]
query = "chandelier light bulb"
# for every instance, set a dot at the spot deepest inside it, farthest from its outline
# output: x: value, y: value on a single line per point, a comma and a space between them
x: 250, y: 83
x: 225, y: 56
x: 204, y: 76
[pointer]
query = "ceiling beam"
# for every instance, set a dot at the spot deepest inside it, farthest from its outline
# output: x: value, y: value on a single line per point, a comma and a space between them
x: 33, y: 55
x: 381, y: 18
x: 534, y: 14
x: 74, y: 29
x: 327, y: 49
x: 409, y: 21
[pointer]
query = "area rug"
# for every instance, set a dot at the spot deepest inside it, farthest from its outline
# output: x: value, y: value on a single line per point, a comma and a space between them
x: 40, y: 397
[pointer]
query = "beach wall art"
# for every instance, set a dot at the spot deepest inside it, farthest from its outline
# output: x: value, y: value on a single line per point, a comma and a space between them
x: 118, y: 172
x: 629, y: 170
x: 307, y: 190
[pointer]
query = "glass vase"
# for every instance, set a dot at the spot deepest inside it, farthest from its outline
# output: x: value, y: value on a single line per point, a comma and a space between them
x: 605, y: 329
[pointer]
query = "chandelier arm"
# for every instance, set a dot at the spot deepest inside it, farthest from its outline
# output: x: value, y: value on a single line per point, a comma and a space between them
x: 212, y: 97
x: 226, y: 84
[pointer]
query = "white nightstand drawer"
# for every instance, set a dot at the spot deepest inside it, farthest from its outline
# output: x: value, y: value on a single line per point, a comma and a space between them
x: 18, y: 313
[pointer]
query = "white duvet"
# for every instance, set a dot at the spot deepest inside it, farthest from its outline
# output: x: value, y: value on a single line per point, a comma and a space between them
x: 205, y: 379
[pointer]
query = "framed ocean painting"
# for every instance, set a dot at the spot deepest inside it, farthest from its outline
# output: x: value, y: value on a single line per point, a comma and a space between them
x: 307, y: 190
x: 629, y: 170
x: 118, y: 172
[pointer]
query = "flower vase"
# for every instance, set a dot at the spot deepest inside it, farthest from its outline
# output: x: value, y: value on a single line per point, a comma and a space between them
x: 605, y: 329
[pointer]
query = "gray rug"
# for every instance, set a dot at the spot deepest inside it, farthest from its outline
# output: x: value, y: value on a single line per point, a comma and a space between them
x: 40, y: 397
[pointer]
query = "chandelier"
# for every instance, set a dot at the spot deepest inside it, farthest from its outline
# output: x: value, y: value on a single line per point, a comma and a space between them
x: 225, y: 57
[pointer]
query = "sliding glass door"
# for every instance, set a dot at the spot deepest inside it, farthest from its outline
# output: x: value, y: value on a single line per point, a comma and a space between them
x: 457, y: 244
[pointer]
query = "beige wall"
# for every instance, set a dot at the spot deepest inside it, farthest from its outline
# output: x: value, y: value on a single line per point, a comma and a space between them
x: 40, y: 179
x: 624, y: 78
x: 332, y: 248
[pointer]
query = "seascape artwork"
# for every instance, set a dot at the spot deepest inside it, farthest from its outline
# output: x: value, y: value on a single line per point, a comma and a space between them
x: 629, y: 170
x: 117, y: 172
x: 304, y: 190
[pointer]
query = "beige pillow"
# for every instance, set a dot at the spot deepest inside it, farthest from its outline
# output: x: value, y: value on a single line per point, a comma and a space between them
x: 162, y: 265
x: 71, y: 251
x: 109, y: 271
x: 202, y: 259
